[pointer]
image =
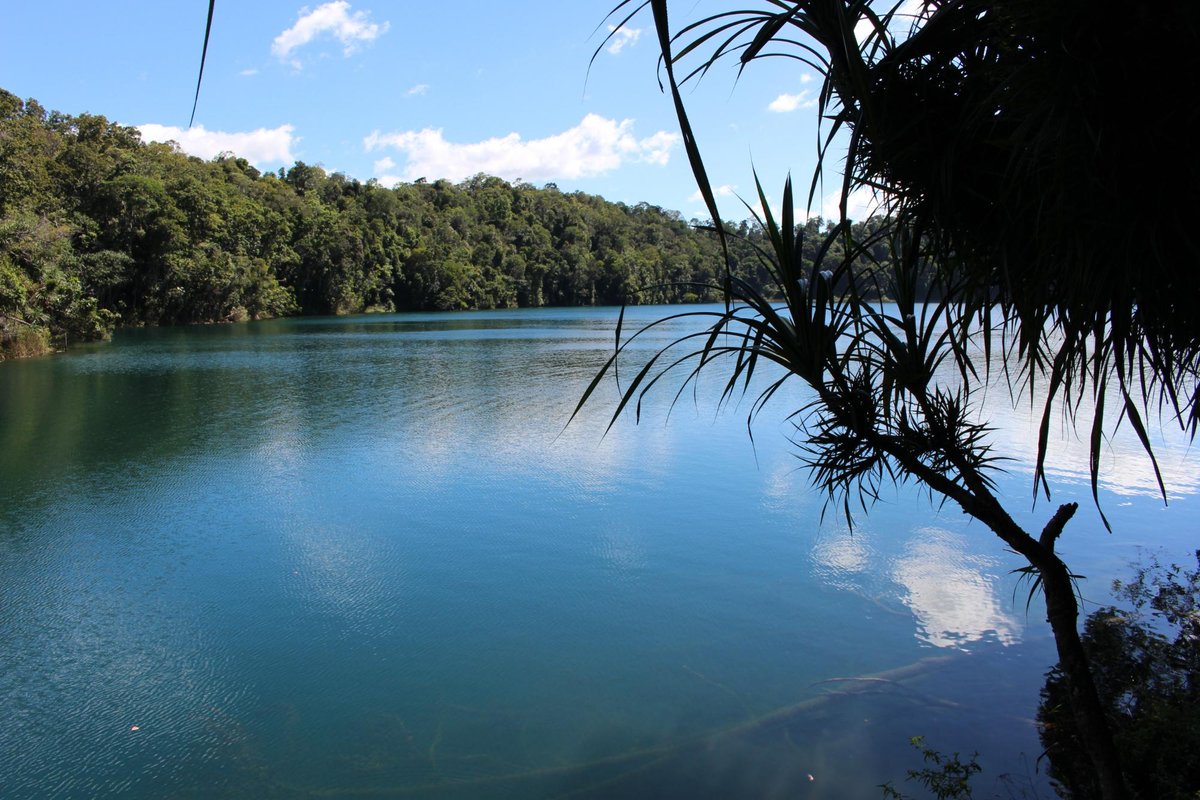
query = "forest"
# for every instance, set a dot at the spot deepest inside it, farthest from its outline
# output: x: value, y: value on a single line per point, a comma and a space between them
x: 99, y: 229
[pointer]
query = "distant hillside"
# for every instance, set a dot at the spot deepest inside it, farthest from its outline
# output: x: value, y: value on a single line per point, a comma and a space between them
x: 99, y: 229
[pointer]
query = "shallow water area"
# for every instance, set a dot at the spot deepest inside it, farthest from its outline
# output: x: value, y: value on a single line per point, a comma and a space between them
x: 366, y: 557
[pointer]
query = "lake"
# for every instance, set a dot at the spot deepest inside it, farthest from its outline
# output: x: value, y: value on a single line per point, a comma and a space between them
x: 365, y: 557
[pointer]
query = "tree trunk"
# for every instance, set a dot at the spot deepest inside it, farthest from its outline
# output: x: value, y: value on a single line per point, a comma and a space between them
x: 1062, y: 612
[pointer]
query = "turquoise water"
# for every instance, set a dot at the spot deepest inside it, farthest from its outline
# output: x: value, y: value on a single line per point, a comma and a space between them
x: 362, y: 557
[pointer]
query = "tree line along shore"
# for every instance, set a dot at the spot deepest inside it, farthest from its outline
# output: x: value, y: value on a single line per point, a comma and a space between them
x: 99, y: 229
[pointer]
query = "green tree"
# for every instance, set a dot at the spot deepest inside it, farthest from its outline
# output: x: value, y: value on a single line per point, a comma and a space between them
x: 98, y: 227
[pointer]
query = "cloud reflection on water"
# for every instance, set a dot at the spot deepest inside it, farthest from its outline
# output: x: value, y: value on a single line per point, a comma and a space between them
x: 949, y: 590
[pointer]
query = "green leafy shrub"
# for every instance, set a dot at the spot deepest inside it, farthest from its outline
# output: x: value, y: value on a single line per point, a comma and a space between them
x: 947, y: 777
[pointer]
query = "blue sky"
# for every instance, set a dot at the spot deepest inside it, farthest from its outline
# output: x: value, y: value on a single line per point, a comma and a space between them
x: 401, y: 90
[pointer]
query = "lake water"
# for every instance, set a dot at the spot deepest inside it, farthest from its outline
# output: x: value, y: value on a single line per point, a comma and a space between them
x: 361, y: 557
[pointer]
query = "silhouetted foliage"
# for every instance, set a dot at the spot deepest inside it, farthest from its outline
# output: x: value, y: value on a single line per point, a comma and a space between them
x: 983, y: 129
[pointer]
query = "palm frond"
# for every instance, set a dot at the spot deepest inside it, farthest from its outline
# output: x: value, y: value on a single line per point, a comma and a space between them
x: 203, y: 57
x: 980, y: 123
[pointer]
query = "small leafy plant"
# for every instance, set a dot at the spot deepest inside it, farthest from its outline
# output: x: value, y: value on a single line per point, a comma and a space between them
x: 947, y: 777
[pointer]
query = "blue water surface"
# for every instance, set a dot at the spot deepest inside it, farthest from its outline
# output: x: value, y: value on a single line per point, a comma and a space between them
x: 367, y: 557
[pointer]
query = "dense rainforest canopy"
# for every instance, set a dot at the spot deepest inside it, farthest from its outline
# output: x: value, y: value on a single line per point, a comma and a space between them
x: 100, y: 229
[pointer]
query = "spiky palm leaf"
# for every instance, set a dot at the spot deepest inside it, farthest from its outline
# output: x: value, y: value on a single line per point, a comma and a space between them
x: 212, y: 5
x: 876, y: 415
x: 988, y: 133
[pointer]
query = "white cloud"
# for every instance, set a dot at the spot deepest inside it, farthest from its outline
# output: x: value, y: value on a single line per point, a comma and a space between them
x: 910, y: 13
x: 384, y: 164
x: 595, y: 146
x: 620, y: 37
x: 334, y: 19
x: 790, y: 102
x: 262, y: 146
x: 864, y: 28
x: 724, y: 190
x: 249, y: 71
x: 420, y: 88
x: 862, y: 204
x: 906, y: 19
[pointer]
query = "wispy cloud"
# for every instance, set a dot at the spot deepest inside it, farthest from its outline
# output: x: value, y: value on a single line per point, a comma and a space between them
x: 621, y: 38
x: 724, y: 190
x: 862, y: 204
x: 262, y: 146
x: 420, y: 88
x: 332, y: 19
x: 248, y: 71
x: 790, y: 102
x: 593, y: 147
x: 384, y: 164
